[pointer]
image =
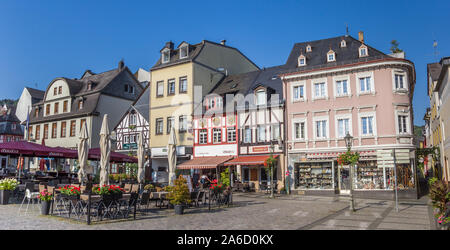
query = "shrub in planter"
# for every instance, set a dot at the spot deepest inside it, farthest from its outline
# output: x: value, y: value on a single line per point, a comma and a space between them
x: 6, y: 187
x: 179, y: 195
x: 46, y: 201
x: 70, y: 192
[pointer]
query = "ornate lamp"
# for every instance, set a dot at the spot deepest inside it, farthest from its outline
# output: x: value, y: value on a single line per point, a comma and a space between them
x: 348, y: 141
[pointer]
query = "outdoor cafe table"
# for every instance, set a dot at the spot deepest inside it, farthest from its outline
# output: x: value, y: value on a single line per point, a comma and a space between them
x: 159, y: 195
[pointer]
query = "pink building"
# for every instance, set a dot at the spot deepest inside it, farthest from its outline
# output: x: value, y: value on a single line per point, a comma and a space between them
x: 342, y: 85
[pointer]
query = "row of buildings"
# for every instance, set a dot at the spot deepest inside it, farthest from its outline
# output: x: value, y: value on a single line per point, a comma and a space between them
x: 229, y: 113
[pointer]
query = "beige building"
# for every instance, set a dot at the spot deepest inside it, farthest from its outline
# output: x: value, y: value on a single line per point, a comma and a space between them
x: 180, y: 78
x: 443, y: 92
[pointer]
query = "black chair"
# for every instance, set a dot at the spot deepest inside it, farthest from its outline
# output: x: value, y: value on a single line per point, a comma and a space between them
x: 144, y: 201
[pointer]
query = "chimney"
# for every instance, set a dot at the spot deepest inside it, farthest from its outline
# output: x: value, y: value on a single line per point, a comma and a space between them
x: 121, y: 65
x: 361, y: 36
x: 169, y: 45
x: 223, y: 42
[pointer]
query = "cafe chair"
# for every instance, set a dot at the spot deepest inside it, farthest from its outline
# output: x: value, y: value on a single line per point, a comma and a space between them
x: 30, y: 195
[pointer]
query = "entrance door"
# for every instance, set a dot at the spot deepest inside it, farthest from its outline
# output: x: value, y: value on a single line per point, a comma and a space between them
x: 3, y: 162
x: 344, y: 180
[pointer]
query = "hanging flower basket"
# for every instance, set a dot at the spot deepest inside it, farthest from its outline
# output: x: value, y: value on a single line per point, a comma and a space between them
x: 348, y: 158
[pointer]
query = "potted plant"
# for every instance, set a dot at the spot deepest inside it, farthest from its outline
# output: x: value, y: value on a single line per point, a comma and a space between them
x: 179, y: 195
x: 150, y: 188
x: 70, y: 192
x: 46, y: 201
x: 216, y: 188
x: 6, y: 186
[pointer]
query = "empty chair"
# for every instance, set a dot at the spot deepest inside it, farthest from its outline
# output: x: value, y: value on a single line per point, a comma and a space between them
x: 145, y: 201
x: 30, y: 195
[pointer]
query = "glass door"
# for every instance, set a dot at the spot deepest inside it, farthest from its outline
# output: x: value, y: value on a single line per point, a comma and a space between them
x: 344, y: 179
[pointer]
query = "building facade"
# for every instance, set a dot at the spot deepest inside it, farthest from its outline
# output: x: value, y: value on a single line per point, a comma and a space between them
x: 182, y: 77
x: 10, y: 130
x: 342, y: 85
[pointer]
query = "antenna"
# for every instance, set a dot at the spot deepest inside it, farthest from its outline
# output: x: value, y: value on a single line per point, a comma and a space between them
x: 346, y: 29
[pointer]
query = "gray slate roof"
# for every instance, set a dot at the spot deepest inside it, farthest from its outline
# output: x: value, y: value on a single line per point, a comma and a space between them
x: 7, y: 119
x: 36, y: 95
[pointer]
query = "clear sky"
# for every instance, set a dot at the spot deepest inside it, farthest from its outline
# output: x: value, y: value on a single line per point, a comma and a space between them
x: 41, y: 40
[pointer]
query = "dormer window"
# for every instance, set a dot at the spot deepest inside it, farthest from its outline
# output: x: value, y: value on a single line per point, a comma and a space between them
x: 343, y: 44
x: 331, y: 56
x: 165, y: 56
x: 80, y: 104
x: 261, y: 97
x: 301, y: 60
x: 308, y: 48
x: 363, y: 51
x: 184, y: 50
x: 89, y: 86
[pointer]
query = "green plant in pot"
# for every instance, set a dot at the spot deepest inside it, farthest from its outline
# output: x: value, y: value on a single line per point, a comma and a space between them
x: 179, y: 195
x: 46, y: 201
x: 6, y: 187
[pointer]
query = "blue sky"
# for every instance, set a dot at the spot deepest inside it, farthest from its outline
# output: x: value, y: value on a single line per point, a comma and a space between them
x: 41, y: 40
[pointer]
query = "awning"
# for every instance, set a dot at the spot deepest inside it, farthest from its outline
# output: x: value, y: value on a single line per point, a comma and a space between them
x: 31, y: 149
x: 335, y: 155
x: 249, y: 160
x: 204, y: 162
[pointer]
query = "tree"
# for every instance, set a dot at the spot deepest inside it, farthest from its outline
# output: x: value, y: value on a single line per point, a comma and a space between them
x: 394, y: 47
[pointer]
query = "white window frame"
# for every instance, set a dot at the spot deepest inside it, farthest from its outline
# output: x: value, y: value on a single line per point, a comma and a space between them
x: 361, y: 48
x: 157, y: 88
x: 372, y: 83
x: 405, y: 80
x: 257, y: 92
x: 272, y: 136
x: 187, y: 51
x: 181, y: 79
x: 300, y: 120
x: 169, y: 83
x: 298, y: 84
x: 217, y: 134
x: 301, y: 57
x: 231, y: 131
x: 408, y: 122
x: 126, y: 139
x: 166, y: 50
x: 328, y: 56
x: 308, y: 48
x: 336, y: 124
x: 159, y: 121
x: 335, y: 88
x: 260, y: 128
x: 313, y: 88
x: 245, y: 135
x: 343, y: 43
x: 327, y: 129
x: 374, y: 125
x: 203, y: 134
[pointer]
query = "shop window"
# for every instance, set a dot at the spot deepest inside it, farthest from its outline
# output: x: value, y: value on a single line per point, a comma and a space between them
x: 313, y: 175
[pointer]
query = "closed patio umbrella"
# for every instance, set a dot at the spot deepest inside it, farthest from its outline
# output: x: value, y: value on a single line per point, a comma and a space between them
x: 172, y: 155
x: 141, y: 159
x: 83, y: 149
x: 105, y: 151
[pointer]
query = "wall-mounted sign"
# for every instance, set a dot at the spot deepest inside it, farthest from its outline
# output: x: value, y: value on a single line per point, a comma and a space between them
x: 215, y: 150
x: 130, y: 146
x: 263, y: 149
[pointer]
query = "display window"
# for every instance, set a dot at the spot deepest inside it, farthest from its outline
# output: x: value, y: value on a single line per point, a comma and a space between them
x: 314, y: 175
x: 371, y: 177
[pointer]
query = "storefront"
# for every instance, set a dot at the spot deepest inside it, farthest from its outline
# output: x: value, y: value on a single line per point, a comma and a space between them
x: 209, y: 166
x: 320, y: 174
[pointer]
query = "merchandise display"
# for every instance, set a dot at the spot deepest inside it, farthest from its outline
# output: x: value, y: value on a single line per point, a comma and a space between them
x: 314, y: 175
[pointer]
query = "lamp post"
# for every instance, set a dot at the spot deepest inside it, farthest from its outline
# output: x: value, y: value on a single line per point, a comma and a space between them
x: 271, y: 169
x: 348, y: 142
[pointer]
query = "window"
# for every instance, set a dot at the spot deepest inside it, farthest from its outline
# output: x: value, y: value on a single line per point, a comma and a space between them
x: 343, y: 44
x: 36, y: 112
x: 321, y: 129
x: 30, y: 131
x: 275, y: 131
x: 63, y: 129
x: 331, y: 57
x: 72, y: 128
x: 399, y: 81
x: 125, y: 88
x: 261, y: 132
x: 132, y: 138
x: 342, y: 88
x: 65, y: 103
x: 301, y: 60
x: 171, y: 87
x: 184, y: 52
x: 367, y: 125
x: 60, y: 90
x: 319, y: 90
x: 299, y: 129
x: 165, y: 56
x: 56, y: 110
x: 170, y: 124
x: 365, y: 85
x: 183, y: 85
x: 343, y: 127
x: 47, y: 110
x: 54, y: 130
x: 299, y: 92
x: 126, y: 139
x: 45, y: 131
x: 247, y: 135
x: 55, y: 91
x: 363, y: 51
x: 182, y: 123
x: 159, y: 126
x: 133, y: 119
x: 80, y: 104
x: 217, y: 135
x: 402, y: 124
x: 131, y: 89
x: 37, y: 132
x: 203, y: 136
x: 82, y: 123
x: 159, y: 88
x: 308, y: 48
x: 231, y: 134
x: 261, y: 97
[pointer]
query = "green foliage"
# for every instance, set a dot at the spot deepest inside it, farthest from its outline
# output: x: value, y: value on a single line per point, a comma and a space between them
x: 394, y: 47
x: 439, y: 191
x: 45, y: 195
x: 8, y: 184
x: 179, y: 193
x: 270, y: 163
x: 225, y: 177
x: 432, y: 180
x: 348, y: 158
x: 149, y: 187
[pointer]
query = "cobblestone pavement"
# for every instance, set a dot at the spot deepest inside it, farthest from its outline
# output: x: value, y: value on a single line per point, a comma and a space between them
x: 252, y: 212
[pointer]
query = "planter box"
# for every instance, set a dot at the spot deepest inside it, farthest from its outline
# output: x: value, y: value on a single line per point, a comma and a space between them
x: 45, y: 207
x: 179, y: 209
x: 4, y: 197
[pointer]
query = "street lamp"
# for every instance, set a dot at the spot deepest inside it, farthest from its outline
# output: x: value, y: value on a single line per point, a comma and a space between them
x: 271, y: 169
x: 348, y: 142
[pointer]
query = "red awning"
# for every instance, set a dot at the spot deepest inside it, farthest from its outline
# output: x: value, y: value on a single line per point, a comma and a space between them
x: 249, y: 160
x: 204, y: 162
x: 25, y: 148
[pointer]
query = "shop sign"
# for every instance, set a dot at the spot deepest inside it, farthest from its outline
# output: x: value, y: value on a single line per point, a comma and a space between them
x: 260, y: 149
x: 130, y: 146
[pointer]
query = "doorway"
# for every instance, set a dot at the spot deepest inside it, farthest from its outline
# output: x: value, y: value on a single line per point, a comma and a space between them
x: 344, y: 180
